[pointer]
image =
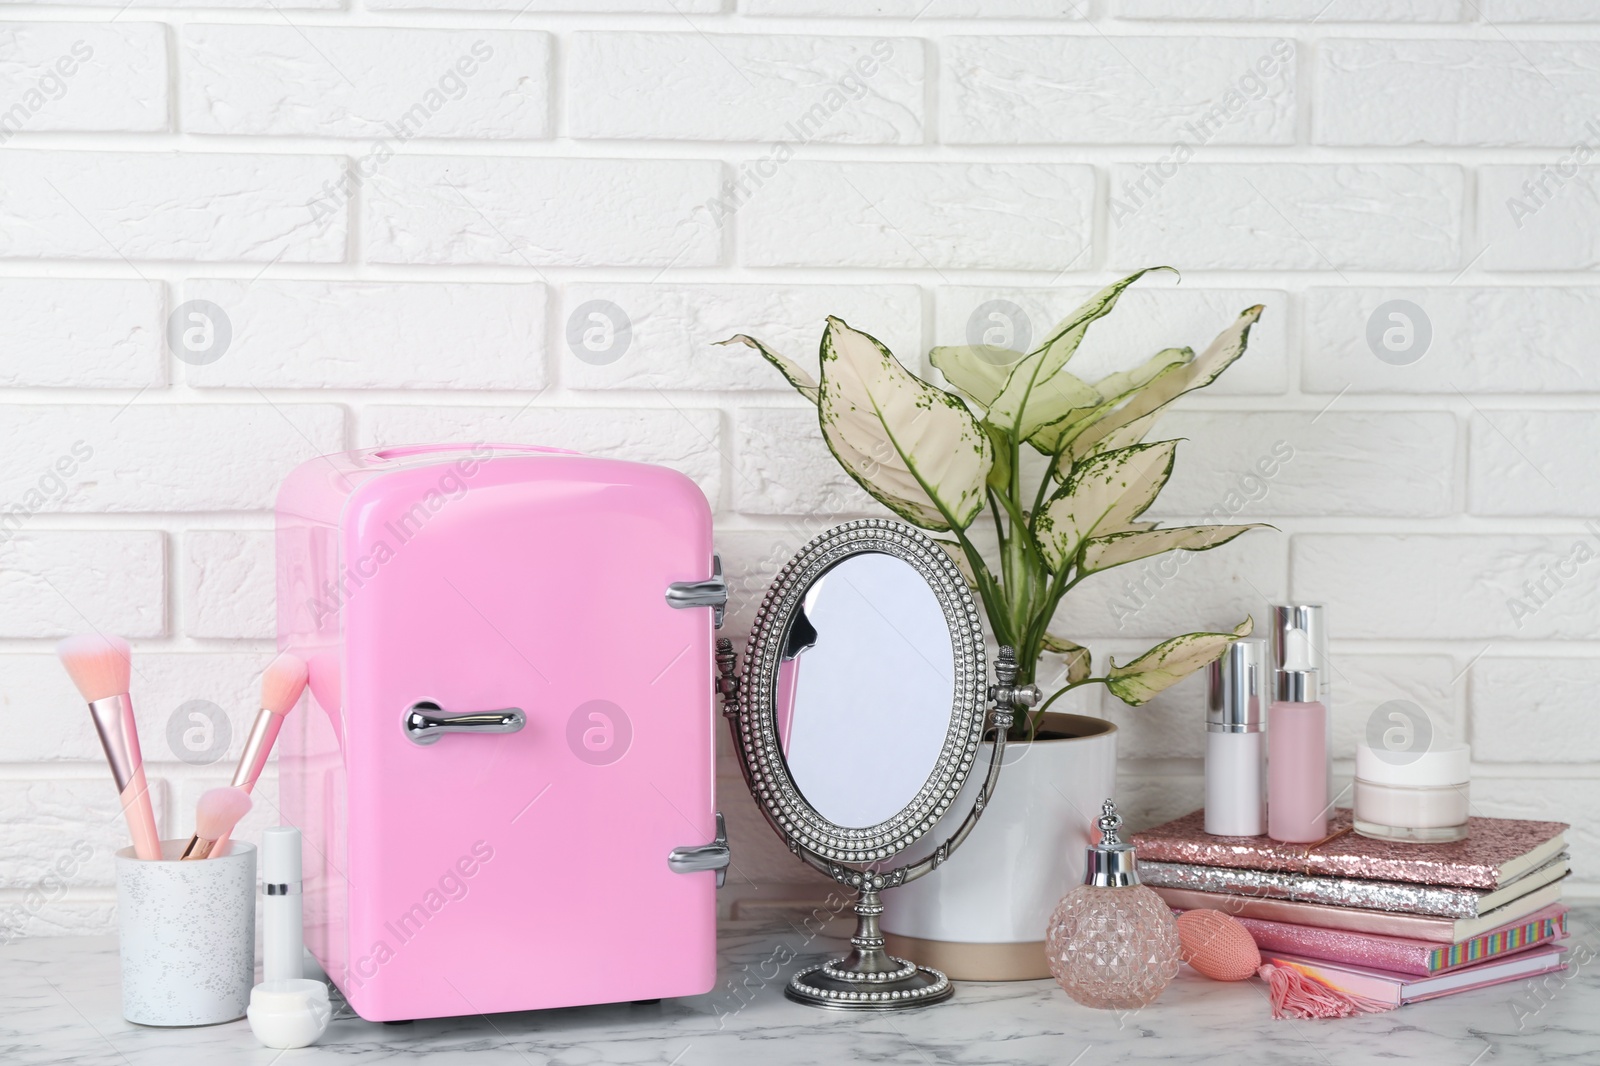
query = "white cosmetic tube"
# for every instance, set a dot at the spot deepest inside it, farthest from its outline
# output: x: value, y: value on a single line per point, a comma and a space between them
x: 282, y: 915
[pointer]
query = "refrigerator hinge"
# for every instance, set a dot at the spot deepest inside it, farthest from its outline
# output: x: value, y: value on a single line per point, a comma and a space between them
x: 712, y: 593
x: 703, y: 857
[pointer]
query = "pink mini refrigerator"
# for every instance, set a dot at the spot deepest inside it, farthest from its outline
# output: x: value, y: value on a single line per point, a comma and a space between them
x: 504, y: 770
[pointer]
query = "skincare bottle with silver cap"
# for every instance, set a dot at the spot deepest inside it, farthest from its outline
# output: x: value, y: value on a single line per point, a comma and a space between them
x: 1312, y: 620
x: 1297, y: 749
x: 282, y: 915
x: 1236, y: 741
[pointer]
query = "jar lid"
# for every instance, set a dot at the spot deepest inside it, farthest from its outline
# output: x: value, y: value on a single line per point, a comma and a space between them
x: 289, y: 994
x: 289, y: 1013
x: 1443, y: 764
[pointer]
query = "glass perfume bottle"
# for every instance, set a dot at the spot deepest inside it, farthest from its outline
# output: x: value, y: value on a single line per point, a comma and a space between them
x: 1112, y: 942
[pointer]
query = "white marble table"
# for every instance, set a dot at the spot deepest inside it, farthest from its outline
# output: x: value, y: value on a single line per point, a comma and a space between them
x: 59, y: 1003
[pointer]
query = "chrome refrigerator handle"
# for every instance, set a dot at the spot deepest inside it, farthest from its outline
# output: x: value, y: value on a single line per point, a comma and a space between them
x: 425, y: 722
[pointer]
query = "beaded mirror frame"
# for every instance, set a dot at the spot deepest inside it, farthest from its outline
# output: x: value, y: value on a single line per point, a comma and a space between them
x: 862, y: 858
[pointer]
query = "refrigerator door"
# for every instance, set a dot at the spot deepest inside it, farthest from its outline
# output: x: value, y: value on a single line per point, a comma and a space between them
x: 520, y: 860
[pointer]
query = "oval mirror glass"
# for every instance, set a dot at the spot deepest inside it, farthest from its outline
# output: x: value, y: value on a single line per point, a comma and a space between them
x: 868, y: 669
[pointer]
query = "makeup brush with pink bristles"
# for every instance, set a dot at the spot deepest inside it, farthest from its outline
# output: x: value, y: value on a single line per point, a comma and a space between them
x: 218, y: 811
x: 281, y: 685
x: 100, y: 666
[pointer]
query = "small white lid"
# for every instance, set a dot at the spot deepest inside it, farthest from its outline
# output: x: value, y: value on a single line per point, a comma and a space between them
x: 290, y: 1013
x: 280, y: 855
x: 1445, y: 763
x: 294, y: 993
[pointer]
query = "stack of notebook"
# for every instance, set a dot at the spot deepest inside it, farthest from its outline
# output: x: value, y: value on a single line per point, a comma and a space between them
x: 1392, y: 922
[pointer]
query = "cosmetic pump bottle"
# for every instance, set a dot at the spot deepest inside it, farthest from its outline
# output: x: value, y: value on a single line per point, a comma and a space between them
x: 282, y: 915
x: 1236, y: 741
x: 1297, y: 749
x: 1312, y: 620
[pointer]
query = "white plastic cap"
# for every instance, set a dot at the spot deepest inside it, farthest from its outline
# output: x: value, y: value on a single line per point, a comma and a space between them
x: 1445, y: 763
x: 289, y: 1014
x: 280, y: 855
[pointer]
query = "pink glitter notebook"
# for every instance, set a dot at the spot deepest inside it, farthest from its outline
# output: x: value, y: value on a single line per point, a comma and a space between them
x: 1418, y: 958
x: 1396, y: 989
x: 1496, y: 851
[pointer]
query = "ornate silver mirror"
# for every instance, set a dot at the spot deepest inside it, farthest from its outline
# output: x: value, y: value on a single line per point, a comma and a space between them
x: 857, y: 719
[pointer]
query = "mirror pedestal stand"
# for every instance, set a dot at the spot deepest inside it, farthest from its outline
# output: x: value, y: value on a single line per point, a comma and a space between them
x: 869, y: 978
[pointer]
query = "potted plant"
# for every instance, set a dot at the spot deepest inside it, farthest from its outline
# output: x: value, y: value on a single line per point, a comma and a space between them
x: 1061, y: 468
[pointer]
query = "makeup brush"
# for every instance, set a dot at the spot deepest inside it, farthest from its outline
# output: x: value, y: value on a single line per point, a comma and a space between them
x: 99, y: 665
x: 281, y: 685
x: 218, y: 811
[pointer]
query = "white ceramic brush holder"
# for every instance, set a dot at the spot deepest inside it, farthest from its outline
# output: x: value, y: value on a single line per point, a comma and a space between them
x: 188, y: 935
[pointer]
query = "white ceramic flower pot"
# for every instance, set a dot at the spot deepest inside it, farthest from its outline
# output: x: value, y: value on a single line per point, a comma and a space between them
x: 981, y: 916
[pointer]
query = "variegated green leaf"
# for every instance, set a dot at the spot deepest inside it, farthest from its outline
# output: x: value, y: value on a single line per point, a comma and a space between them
x: 1102, y: 495
x: 1000, y: 473
x: 1125, y: 383
x: 1125, y: 436
x: 915, y: 448
x: 1076, y: 655
x: 793, y: 371
x: 978, y: 371
x: 1061, y: 397
x: 1140, y: 412
x: 1110, y: 391
x: 1102, y: 553
x: 1026, y: 402
x: 1168, y: 663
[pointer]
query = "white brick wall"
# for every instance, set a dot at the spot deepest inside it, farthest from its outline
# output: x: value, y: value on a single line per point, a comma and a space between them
x: 163, y: 205
x: 532, y: 213
x: 1465, y: 85
x: 667, y: 327
x: 1288, y: 216
x: 1544, y: 215
x: 72, y: 76
x: 931, y: 216
x: 1076, y: 90
x: 739, y: 87
x: 371, y: 83
x: 494, y: 219
x: 82, y: 332
x: 385, y: 334
x: 1296, y: 10
x: 1523, y: 339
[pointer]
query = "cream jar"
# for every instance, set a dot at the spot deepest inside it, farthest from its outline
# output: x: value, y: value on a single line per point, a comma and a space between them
x: 290, y: 1012
x: 1415, y: 797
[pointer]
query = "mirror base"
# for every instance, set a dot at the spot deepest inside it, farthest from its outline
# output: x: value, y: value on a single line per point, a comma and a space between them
x: 869, y: 978
x: 923, y: 987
